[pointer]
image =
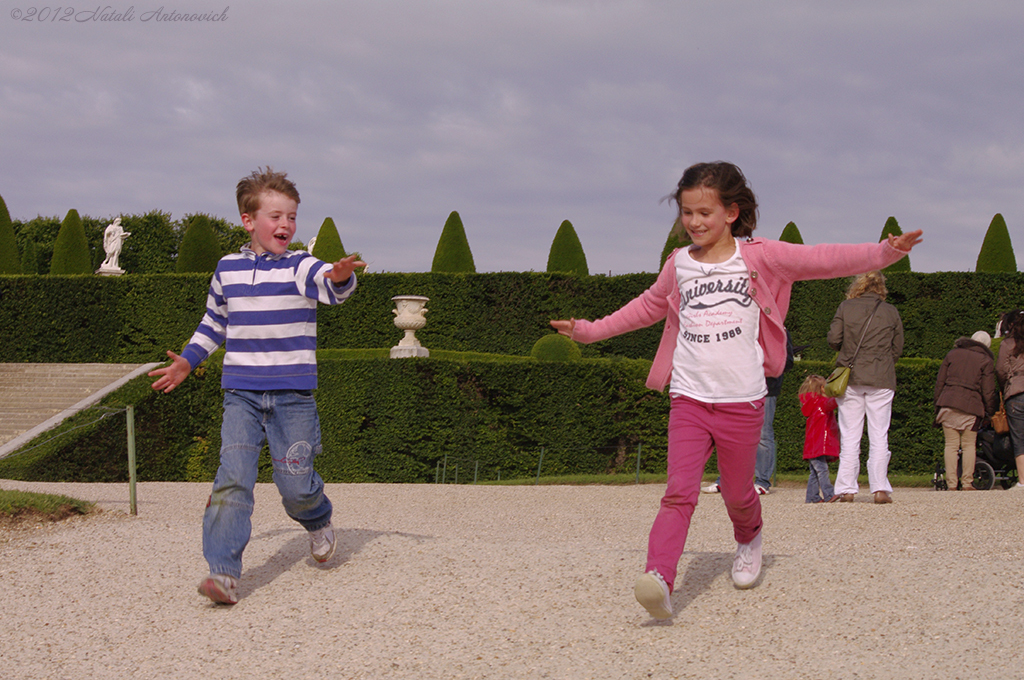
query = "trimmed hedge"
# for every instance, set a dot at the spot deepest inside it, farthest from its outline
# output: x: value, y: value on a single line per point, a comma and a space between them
x: 389, y: 420
x: 136, y: 318
x: 386, y: 420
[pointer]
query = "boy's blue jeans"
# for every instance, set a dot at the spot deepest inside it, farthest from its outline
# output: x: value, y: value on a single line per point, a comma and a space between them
x: 288, y: 421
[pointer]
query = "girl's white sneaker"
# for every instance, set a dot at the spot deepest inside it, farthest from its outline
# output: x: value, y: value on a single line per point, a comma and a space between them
x: 652, y: 592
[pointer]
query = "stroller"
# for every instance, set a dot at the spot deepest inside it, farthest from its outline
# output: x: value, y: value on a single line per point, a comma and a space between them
x: 994, y: 463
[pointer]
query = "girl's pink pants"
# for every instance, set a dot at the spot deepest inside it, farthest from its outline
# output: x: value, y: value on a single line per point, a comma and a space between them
x: 694, y: 429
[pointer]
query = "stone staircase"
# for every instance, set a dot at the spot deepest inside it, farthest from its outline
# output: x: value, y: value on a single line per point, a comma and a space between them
x: 37, y: 397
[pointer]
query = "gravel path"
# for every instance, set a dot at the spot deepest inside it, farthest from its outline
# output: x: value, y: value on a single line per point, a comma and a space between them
x: 517, y: 582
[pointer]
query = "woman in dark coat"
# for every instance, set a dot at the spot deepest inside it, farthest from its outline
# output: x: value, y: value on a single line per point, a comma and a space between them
x: 965, y: 394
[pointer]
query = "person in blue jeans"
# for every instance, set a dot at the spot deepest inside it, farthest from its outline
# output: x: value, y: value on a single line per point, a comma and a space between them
x: 764, y: 464
x: 262, y: 306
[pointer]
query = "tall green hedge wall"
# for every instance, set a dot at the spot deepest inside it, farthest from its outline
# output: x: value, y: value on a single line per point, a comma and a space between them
x: 135, y: 318
x: 387, y: 420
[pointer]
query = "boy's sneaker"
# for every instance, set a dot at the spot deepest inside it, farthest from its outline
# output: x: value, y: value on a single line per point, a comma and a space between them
x: 651, y: 591
x: 322, y: 543
x: 746, y: 566
x: 220, y: 588
x: 711, y: 488
x: 761, y: 490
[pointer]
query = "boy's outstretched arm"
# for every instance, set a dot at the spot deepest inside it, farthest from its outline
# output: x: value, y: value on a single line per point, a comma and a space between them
x: 342, y: 270
x: 171, y: 376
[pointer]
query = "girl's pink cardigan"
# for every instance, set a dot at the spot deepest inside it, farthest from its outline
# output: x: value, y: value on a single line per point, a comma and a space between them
x: 773, y: 265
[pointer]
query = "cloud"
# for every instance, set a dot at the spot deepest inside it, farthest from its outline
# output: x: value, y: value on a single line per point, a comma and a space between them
x: 389, y: 115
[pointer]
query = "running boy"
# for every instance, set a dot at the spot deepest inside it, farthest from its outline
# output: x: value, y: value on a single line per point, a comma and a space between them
x: 262, y: 306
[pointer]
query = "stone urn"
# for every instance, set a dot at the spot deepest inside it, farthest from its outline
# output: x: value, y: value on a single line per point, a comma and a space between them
x: 409, y: 314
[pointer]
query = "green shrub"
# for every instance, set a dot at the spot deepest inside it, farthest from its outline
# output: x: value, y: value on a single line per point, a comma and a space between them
x: 555, y: 347
x: 452, y: 255
x: 71, y: 253
x: 153, y: 244
x: 566, y: 253
x: 677, y: 238
x: 9, y: 261
x: 790, y: 234
x: 903, y: 264
x: 30, y: 259
x: 328, y: 243
x: 200, y: 249
x: 996, y: 253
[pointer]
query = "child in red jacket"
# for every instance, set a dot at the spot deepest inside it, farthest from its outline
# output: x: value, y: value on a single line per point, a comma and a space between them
x: 821, y: 442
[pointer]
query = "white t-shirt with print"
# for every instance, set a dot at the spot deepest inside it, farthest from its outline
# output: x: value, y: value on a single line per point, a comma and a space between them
x: 717, y: 357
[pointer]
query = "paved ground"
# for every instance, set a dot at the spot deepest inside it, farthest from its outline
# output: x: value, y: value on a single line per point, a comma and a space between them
x: 445, y: 581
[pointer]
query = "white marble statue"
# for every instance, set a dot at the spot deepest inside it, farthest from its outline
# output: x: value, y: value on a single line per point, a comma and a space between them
x: 113, y: 236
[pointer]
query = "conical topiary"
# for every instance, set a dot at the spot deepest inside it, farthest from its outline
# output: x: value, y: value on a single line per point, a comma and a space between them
x: 9, y: 262
x: 790, y: 234
x: 453, y: 255
x: 328, y: 243
x: 903, y: 264
x: 677, y: 238
x: 200, y: 248
x: 71, y: 253
x: 555, y: 347
x: 30, y: 259
x: 996, y: 253
x: 567, y: 252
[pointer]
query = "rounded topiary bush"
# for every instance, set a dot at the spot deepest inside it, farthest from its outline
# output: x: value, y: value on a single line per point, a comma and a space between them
x: 555, y: 347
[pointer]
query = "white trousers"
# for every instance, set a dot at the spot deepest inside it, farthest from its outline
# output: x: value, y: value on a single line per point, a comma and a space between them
x: 875, y: 404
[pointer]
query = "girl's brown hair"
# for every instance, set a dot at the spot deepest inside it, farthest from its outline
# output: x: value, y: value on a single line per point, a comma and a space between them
x: 732, y: 187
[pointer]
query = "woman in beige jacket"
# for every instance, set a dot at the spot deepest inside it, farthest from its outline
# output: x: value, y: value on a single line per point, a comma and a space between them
x: 865, y: 314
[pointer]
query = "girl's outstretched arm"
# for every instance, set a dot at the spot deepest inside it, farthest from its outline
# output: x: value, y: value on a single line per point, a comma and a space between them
x: 906, y: 241
x: 565, y: 327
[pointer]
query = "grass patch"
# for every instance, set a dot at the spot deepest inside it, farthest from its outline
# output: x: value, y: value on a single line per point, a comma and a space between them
x: 18, y: 506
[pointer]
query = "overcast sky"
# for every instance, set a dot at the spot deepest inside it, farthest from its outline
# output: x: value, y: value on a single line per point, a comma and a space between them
x: 520, y: 114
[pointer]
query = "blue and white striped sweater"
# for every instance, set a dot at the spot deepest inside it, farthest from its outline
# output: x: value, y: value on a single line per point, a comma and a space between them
x: 263, y: 309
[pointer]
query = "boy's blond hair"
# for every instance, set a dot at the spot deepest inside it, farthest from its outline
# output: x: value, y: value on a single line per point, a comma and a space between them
x: 812, y: 383
x: 251, y: 187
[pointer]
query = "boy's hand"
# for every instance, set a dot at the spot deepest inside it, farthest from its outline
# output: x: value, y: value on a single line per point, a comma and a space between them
x: 565, y: 327
x: 171, y: 376
x: 905, y: 241
x: 342, y: 270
